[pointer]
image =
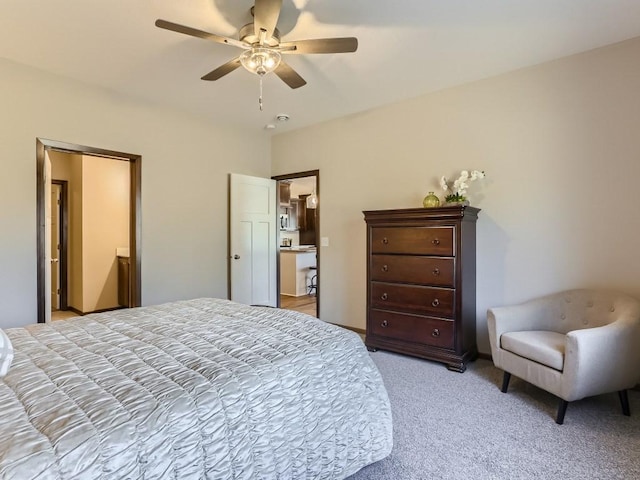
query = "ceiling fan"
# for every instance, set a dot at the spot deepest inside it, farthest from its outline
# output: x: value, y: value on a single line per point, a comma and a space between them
x: 262, y: 48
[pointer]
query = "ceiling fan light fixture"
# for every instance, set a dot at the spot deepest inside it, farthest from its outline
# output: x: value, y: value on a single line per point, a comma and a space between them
x: 260, y: 40
x: 260, y: 60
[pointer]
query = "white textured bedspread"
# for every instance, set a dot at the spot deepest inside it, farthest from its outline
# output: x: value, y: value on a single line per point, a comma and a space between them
x: 191, y: 390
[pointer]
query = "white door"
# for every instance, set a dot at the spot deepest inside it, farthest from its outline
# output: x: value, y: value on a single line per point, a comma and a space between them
x: 252, y: 240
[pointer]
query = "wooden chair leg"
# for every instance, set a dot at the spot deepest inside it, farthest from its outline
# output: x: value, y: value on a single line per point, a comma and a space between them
x: 624, y: 401
x: 562, y: 409
x: 505, y: 382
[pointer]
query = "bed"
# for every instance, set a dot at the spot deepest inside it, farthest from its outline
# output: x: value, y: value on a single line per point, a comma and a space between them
x: 197, y: 389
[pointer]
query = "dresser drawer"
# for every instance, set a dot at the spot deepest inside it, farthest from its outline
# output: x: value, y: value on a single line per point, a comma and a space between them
x: 413, y: 269
x: 413, y: 240
x: 412, y: 298
x: 412, y: 328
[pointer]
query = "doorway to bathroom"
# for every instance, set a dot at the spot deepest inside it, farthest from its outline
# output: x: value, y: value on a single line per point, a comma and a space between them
x: 65, y: 228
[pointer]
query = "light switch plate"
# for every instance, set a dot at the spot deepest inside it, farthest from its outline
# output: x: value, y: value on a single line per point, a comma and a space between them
x: 324, y: 241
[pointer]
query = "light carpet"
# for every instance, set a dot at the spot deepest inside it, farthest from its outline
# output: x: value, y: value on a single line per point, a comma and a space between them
x: 449, y: 425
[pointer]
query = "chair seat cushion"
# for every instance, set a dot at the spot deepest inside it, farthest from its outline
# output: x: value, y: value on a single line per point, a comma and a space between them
x: 540, y: 346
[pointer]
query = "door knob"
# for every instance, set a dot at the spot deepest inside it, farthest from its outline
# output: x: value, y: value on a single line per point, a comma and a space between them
x: 236, y: 257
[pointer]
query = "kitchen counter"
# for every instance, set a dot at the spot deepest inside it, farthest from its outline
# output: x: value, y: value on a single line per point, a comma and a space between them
x: 295, y: 273
x: 299, y: 249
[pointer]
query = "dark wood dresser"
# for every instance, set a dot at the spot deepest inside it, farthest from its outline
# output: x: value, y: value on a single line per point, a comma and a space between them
x: 421, y: 283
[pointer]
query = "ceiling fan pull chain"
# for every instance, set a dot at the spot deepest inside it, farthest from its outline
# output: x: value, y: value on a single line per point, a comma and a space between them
x: 260, y: 98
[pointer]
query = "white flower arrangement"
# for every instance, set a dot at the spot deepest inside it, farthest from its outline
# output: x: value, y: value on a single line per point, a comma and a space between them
x: 457, y: 190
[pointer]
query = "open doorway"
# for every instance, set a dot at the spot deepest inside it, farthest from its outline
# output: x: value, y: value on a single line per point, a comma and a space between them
x: 48, y: 269
x: 59, y: 244
x: 299, y: 239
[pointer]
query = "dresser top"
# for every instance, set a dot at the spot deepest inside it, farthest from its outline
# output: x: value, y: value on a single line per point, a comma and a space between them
x: 438, y: 213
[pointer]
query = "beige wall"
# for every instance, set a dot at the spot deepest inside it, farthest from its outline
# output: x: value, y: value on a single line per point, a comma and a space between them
x: 61, y: 164
x: 105, y: 227
x: 560, y: 145
x: 185, y: 166
x: 302, y: 186
x: 75, y: 271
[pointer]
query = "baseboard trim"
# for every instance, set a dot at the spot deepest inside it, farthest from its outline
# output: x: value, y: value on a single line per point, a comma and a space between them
x: 78, y: 312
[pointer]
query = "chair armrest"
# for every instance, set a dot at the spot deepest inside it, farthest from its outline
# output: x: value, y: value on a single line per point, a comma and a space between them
x: 516, y: 318
x: 534, y: 314
x: 602, y: 359
x: 531, y: 315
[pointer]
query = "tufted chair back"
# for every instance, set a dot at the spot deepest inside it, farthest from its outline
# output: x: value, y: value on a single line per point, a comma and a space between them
x: 578, y: 309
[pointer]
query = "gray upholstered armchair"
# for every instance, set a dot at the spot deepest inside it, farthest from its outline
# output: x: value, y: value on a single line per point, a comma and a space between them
x: 574, y: 344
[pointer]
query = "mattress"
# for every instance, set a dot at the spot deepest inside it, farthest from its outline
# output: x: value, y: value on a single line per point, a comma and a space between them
x: 198, y: 389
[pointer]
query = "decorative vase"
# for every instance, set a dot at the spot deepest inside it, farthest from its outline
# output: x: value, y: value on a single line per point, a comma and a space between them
x: 431, y: 201
x: 457, y: 203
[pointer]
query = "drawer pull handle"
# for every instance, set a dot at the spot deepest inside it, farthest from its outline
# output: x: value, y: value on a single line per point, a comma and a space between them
x: 384, y: 324
x: 435, y: 333
x: 435, y: 241
x: 384, y: 296
x: 435, y: 303
x: 436, y: 271
x: 385, y: 268
x: 385, y: 240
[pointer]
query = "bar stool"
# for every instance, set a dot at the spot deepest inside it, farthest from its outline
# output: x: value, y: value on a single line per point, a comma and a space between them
x: 312, y: 287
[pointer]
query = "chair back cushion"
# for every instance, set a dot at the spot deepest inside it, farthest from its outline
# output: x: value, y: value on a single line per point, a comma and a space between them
x: 542, y: 347
x: 578, y: 309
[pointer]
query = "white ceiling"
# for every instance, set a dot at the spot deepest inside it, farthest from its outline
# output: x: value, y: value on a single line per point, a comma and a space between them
x: 406, y: 48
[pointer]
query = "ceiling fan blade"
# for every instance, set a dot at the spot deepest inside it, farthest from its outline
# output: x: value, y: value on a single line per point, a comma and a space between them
x: 222, y: 70
x: 321, y: 45
x: 265, y: 16
x: 176, y: 27
x: 289, y: 76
